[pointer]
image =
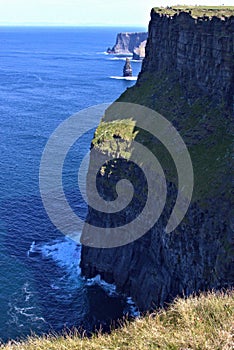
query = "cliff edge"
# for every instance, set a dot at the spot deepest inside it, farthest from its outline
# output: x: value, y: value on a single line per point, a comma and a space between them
x: 188, y: 77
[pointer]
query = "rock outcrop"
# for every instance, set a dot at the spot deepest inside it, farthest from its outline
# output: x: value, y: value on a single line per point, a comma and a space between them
x: 126, y: 43
x: 188, y: 77
x: 127, y: 70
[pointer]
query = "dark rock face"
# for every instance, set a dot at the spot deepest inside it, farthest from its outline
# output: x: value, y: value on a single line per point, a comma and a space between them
x: 126, y: 43
x: 159, y: 266
x: 127, y: 70
x: 200, y: 50
x: 187, y: 76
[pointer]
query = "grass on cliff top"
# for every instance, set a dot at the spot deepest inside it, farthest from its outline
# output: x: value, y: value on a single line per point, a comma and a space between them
x: 198, y: 11
x: 107, y: 132
x: 205, y: 322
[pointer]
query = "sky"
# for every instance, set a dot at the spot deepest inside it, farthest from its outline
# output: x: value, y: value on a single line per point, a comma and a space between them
x: 86, y: 12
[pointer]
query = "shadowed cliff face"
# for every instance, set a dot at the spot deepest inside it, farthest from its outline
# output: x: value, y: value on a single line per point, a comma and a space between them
x: 200, y: 50
x: 187, y: 76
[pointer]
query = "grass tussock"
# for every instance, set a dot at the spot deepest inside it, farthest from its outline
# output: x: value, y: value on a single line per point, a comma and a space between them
x: 204, y: 322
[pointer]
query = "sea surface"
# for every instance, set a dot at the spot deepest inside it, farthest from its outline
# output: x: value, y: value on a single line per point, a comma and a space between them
x: 46, y: 75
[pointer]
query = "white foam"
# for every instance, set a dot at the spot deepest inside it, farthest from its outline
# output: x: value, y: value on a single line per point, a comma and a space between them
x: 17, y: 313
x: 27, y: 292
x: 36, y: 318
x: 66, y: 253
x: 102, y: 53
x: 24, y: 311
x: 118, y: 58
x: 137, y: 61
x: 33, y: 245
x: 109, y: 288
x: 124, y: 78
x: 132, y: 310
x: 32, y: 248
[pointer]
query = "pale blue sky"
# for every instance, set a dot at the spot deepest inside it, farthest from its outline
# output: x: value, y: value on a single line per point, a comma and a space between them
x: 85, y: 12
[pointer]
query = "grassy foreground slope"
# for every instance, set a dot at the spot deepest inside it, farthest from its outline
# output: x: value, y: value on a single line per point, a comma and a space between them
x: 204, y: 322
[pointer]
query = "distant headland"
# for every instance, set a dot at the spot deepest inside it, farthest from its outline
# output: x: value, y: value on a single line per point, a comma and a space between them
x: 130, y: 44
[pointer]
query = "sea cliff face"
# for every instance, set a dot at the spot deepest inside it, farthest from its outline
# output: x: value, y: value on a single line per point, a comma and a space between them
x: 199, y: 49
x: 187, y: 76
x: 126, y: 43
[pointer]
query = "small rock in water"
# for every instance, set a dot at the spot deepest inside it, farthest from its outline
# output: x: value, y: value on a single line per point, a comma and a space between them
x: 127, y: 71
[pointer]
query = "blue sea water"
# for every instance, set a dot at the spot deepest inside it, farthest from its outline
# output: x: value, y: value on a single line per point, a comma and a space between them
x: 46, y: 75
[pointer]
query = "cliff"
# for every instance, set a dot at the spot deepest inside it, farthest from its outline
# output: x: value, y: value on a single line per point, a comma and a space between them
x: 126, y: 43
x: 188, y: 77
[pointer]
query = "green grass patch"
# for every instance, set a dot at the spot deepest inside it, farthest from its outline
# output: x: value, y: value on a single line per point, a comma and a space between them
x: 106, y: 131
x: 114, y: 138
x: 197, y: 11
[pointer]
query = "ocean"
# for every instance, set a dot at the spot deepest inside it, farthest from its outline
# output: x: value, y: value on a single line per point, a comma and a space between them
x: 47, y: 75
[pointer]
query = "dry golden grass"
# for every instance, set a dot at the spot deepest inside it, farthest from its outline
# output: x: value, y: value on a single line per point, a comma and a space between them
x: 204, y: 322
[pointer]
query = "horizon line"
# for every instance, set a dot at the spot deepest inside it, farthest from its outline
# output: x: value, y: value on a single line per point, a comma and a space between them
x: 69, y: 25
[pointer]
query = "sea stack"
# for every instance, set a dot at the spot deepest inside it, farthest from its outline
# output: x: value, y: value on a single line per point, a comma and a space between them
x: 127, y: 71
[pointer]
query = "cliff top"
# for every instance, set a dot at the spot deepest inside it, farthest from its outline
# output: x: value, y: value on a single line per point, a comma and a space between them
x: 197, y: 11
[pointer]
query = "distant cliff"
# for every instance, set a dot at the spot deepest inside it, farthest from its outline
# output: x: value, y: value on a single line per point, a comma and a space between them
x: 188, y: 77
x: 126, y: 43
